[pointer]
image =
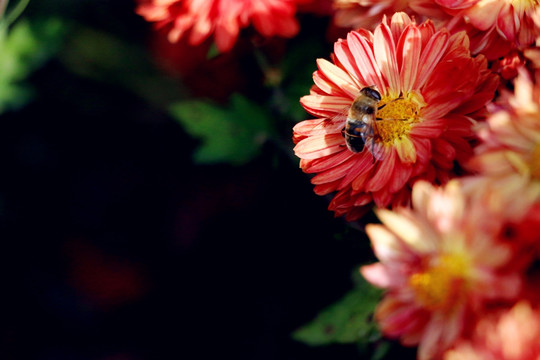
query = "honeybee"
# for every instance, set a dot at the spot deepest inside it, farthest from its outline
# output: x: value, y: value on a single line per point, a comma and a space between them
x: 360, y: 126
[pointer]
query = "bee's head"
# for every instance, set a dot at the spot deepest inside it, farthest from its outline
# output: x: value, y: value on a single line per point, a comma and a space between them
x: 372, y: 93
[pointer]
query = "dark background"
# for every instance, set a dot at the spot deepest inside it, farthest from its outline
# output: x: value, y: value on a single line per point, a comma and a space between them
x: 116, y: 246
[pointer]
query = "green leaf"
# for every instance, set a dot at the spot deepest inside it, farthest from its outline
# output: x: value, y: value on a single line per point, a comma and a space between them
x: 231, y: 135
x: 349, y: 320
x: 24, y: 48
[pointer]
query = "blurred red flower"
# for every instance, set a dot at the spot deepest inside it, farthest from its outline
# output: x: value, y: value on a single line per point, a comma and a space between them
x: 199, y: 19
x: 102, y: 279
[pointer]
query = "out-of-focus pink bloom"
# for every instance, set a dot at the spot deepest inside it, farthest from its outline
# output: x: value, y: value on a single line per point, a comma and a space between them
x: 440, y: 264
x: 507, y: 160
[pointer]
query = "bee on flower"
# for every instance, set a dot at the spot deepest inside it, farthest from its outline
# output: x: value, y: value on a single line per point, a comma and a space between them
x: 424, y: 115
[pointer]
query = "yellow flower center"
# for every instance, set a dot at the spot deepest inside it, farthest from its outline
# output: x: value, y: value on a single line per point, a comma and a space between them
x: 440, y: 286
x: 534, y: 165
x: 396, y: 115
x: 523, y: 5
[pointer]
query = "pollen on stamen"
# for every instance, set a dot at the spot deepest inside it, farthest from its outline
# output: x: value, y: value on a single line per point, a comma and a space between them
x: 395, y: 118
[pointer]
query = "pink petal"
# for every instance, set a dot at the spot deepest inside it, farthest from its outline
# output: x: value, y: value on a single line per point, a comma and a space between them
x: 397, y: 318
x: 423, y: 150
x: 399, y: 22
x: 362, y: 200
x: 325, y: 163
x: 325, y: 106
x: 429, y: 128
x: 318, y: 146
x: 387, y: 247
x: 408, y: 52
x: 377, y: 274
x: 382, y: 198
x: 346, y: 59
x: 456, y: 4
x: 431, y: 55
x: 443, y: 154
x: 333, y: 174
x: 325, y: 189
x: 430, y: 343
x: 405, y: 151
x: 363, y: 165
x: 383, y: 173
x: 481, y: 97
x: 427, y: 29
x: 365, y: 60
x: 402, y: 174
x: 385, y: 56
x: 483, y: 14
x: 338, y: 77
x: 459, y: 125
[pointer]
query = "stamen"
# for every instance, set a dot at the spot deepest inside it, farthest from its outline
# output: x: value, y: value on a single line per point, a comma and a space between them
x: 395, y: 117
x: 440, y: 286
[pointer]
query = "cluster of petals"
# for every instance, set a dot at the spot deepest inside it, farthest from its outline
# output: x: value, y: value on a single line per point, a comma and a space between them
x: 200, y: 19
x: 507, y: 161
x: 367, y: 14
x: 441, y: 264
x: 506, y: 334
x: 498, y: 29
x: 513, y: 19
x: 416, y: 65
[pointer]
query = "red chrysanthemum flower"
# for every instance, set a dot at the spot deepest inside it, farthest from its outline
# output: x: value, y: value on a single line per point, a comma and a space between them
x: 199, y: 19
x: 441, y: 264
x: 431, y: 89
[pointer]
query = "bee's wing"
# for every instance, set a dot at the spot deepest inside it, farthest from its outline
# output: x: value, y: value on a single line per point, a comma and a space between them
x: 323, y: 126
x: 376, y: 148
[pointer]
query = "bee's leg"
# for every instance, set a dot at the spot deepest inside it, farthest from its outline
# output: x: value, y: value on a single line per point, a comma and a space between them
x: 343, y: 134
x: 372, y: 136
x: 380, y: 107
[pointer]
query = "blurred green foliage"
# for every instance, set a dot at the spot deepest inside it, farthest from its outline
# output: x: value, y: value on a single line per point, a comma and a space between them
x: 232, y: 135
x: 24, y: 47
x: 349, y: 320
